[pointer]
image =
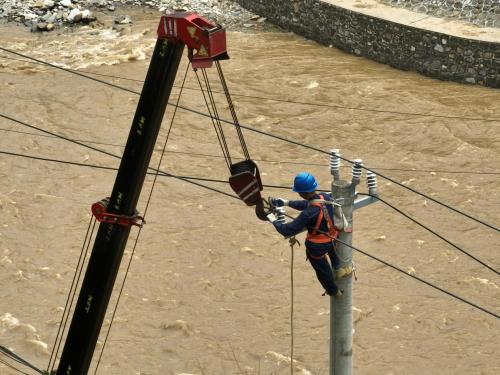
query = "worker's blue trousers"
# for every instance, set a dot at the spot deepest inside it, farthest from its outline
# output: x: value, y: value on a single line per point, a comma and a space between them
x: 319, y: 261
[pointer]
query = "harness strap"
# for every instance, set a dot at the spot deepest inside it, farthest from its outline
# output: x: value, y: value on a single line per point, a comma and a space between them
x: 323, y: 214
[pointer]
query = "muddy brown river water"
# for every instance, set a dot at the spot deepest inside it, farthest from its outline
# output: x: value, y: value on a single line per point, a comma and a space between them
x: 208, y: 291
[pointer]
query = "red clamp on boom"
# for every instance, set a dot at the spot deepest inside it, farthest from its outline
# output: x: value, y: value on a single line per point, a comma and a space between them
x: 198, y: 34
x: 99, y: 211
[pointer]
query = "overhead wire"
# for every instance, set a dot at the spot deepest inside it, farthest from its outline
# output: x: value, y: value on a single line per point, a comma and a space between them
x: 13, y: 367
x: 361, y: 251
x: 384, y: 262
x: 268, y: 186
x: 448, y: 206
x: 197, y: 154
x: 288, y: 101
x: 13, y: 356
x: 457, y: 297
x: 399, y: 269
x: 476, y: 259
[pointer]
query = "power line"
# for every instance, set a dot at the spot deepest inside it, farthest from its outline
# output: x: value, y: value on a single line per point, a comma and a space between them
x: 269, y: 186
x: 422, y: 280
x: 288, y: 101
x: 154, y: 171
x: 10, y: 354
x: 434, y: 233
x: 276, y: 137
x: 188, y: 179
x: 197, y: 154
x: 361, y: 251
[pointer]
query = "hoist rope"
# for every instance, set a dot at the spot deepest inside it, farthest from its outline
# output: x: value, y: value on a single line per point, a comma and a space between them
x: 217, y: 120
x: 71, y: 294
x: 144, y: 217
x: 434, y: 233
x: 232, y: 110
x: 217, y: 126
x: 269, y: 135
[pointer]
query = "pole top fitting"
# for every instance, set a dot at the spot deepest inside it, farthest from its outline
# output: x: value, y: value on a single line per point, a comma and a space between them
x: 335, y: 163
x: 357, y: 171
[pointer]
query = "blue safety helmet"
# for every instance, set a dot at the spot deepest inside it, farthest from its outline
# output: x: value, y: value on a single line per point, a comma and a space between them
x: 304, y: 183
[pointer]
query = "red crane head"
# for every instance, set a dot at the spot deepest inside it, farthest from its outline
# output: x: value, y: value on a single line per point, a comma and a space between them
x: 205, y: 40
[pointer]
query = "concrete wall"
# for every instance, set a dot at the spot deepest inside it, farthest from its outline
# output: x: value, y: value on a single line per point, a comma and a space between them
x: 478, y: 12
x: 433, y: 54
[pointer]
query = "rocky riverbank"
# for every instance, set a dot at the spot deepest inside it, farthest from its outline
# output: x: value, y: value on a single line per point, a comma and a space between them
x: 478, y: 12
x: 47, y: 15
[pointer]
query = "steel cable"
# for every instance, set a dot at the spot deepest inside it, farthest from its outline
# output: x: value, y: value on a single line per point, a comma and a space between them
x: 71, y: 294
x: 276, y: 137
x: 322, y: 151
x: 140, y: 228
x: 274, y: 186
x: 364, y: 253
x: 312, y: 104
x: 484, y: 264
x: 197, y: 154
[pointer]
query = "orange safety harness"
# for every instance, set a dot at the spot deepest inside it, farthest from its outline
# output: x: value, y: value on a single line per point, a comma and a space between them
x: 316, y: 237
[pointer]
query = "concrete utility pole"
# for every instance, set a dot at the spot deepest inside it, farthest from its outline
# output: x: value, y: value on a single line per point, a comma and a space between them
x: 341, y: 327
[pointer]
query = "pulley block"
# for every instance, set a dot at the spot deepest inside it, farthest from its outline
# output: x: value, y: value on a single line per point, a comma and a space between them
x: 245, y: 181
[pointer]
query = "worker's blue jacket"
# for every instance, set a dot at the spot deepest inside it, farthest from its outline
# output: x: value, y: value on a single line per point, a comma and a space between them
x: 307, y: 220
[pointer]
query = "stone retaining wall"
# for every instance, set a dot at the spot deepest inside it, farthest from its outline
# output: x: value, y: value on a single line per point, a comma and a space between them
x: 433, y: 54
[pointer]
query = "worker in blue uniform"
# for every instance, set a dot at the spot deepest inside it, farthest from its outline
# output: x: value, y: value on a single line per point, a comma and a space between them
x: 317, y: 218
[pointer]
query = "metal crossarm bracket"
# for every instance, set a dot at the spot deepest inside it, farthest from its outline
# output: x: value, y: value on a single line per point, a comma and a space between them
x: 99, y: 212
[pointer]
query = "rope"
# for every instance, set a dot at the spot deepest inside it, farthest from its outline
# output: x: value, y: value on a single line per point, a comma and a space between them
x: 434, y: 233
x: 140, y: 228
x: 71, y: 294
x: 292, y: 241
x: 273, y: 136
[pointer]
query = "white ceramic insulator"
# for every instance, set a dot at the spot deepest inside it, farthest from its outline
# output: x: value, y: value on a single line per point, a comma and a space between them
x: 335, y: 162
x: 357, y: 170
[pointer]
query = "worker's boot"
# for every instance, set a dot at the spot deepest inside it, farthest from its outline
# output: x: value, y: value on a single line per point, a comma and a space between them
x: 343, y: 272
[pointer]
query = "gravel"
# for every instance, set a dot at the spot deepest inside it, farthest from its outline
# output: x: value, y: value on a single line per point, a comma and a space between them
x: 47, y: 15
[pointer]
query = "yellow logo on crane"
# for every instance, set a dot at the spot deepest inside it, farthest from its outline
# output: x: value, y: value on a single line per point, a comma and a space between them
x: 191, y: 30
x: 202, y: 51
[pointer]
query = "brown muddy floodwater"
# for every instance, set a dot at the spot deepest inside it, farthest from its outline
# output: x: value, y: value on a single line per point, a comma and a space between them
x: 208, y: 290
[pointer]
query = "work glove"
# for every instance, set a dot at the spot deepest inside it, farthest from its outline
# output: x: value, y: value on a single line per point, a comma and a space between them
x: 272, y: 218
x: 278, y: 202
